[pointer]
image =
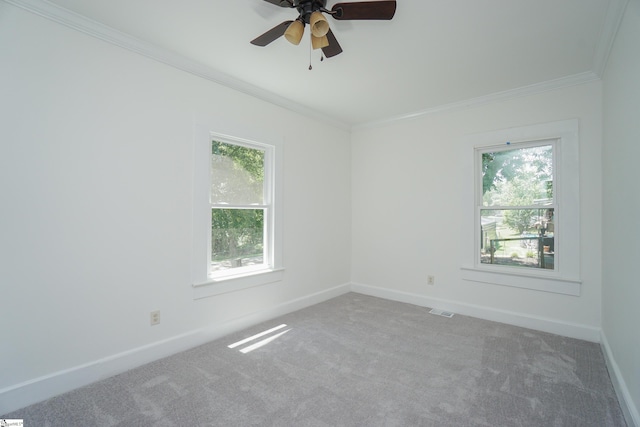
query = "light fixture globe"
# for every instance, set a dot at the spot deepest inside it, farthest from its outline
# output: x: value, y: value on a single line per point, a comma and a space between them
x: 319, y: 24
x: 319, y: 42
x: 294, y: 32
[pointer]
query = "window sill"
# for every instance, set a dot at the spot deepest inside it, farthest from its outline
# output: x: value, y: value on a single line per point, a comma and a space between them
x: 225, y: 284
x: 541, y: 282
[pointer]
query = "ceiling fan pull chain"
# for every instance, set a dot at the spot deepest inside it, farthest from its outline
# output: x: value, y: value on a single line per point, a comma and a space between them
x: 310, y: 50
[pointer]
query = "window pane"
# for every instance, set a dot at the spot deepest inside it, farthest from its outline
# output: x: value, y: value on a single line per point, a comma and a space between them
x: 518, y: 237
x: 237, y: 238
x: 237, y: 174
x: 518, y: 177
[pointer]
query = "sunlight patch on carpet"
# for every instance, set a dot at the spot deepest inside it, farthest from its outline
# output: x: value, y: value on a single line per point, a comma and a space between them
x: 263, y: 342
x: 259, y: 335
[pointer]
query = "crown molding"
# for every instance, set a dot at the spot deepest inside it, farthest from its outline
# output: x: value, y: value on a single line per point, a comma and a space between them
x: 110, y: 35
x: 612, y: 22
x: 533, y: 89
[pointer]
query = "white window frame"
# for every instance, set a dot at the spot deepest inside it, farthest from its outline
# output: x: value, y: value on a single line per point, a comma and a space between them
x: 565, y: 278
x: 204, y: 282
x: 266, y: 205
x: 479, y: 197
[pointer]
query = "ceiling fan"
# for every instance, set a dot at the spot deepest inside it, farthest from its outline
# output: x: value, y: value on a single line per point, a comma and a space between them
x: 311, y: 12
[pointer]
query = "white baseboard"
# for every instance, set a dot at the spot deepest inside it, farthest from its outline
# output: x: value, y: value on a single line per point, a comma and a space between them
x: 583, y: 332
x: 36, y: 390
x: 631, y: 414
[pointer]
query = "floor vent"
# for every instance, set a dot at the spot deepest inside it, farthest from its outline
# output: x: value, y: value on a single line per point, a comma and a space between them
x: 441, y: 313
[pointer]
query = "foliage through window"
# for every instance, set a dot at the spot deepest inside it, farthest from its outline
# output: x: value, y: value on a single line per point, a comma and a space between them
x: 517, y: 206
x: 240, y: 207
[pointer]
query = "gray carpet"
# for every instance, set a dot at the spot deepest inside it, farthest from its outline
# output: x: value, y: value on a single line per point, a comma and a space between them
x: 356, y: 361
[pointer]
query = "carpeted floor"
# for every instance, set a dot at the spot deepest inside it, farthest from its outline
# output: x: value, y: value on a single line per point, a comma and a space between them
x: 356, y: 361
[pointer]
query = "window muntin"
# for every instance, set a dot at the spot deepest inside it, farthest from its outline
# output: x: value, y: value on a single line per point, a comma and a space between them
x: 241, y: 208
x: 516, y: 205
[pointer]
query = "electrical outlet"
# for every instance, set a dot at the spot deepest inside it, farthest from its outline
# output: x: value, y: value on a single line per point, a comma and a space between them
x: 431, y: 280
x: 155, y: 317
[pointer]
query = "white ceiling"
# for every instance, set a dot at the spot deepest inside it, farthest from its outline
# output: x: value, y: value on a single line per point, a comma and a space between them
x: 432, y: 54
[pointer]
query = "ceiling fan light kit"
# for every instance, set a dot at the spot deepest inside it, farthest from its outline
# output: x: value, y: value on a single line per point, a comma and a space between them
x: 319, y: 42
x: 294, y: 32
x: 319, y: 24
x: 312, y: 12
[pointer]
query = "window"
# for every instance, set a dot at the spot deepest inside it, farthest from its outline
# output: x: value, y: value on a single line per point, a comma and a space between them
x: 523, y: 226
x: 240, y: 207
x: 516, y: 205
x: 237, y: 216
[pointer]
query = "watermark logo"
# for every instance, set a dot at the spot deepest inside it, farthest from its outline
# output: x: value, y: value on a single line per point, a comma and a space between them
x: 11, y: 423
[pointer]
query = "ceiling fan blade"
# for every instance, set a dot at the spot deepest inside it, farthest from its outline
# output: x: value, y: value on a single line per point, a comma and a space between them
x: 281, y: 3
x: 272, y: 34
x: 334, y: 47
x: 364, y: 10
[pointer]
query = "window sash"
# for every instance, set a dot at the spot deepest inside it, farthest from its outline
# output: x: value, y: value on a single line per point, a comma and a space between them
x: 479, y: 151
x: 266, y: 251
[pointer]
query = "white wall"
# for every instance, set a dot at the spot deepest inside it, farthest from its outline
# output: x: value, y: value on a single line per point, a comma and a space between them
x: 621, y: 227
x: 95, y: 224
x: 407, y: 189
x: 96, y: 179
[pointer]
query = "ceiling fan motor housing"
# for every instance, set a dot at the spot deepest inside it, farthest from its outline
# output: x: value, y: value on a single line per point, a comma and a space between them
x: 307, y: 7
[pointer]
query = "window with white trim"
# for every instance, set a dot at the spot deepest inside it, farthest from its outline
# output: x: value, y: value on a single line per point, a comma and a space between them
x: 523, y: 226
x: 237, y: 217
